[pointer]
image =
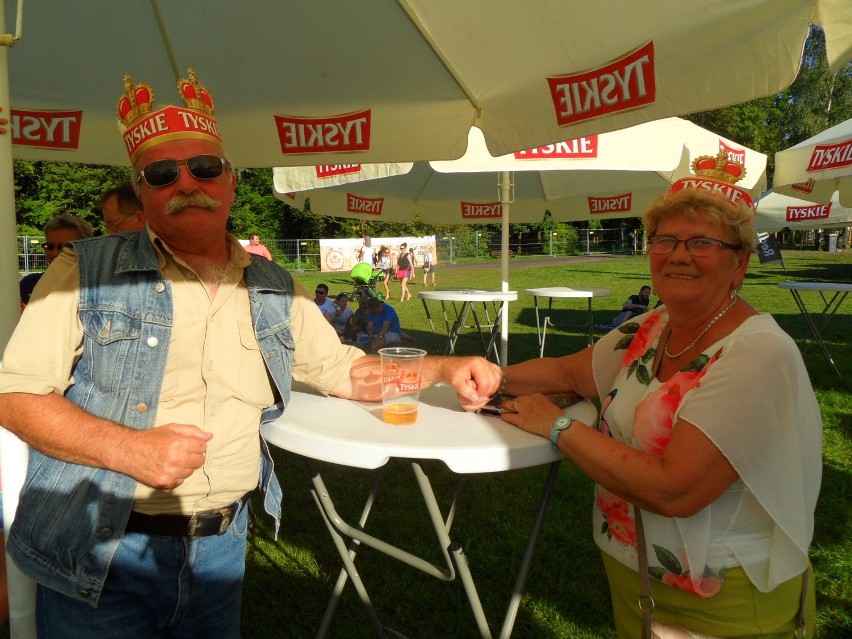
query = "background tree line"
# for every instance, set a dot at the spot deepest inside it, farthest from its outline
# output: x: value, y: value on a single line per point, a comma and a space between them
x: 816, y: 100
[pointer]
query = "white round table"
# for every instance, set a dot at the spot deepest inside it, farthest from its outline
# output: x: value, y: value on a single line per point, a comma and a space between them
x: 552, y: 292
x: 353, y: 434
x: 468, y: 298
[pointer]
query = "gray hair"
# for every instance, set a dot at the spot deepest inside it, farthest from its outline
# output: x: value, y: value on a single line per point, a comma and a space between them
x: 81, y: 226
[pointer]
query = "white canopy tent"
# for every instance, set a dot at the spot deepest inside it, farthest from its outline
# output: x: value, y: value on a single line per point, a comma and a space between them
x: 817, y: 168
x: 776, y: 211
x: 610, y: 170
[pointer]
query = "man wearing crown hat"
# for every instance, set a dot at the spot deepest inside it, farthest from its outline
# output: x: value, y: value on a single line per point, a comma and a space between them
x: 140, y: 383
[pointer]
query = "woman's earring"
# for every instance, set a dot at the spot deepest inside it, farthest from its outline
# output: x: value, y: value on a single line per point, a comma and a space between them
x: 734, y: 294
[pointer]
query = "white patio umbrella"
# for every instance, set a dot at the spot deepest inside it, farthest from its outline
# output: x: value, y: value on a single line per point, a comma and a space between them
x: 633, y: 165
x: 818, y: 167
x: 298, y: 82
x: 398, y: 80
x: 777, y: 211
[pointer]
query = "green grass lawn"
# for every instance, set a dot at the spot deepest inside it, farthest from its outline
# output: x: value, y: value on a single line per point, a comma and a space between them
x: 288, y: 581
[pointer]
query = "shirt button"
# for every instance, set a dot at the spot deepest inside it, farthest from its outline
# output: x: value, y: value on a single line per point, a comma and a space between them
x: 85, y: 594
x: 210, y: 366
x: 159, y: 287
x: 141, y: 407
x: 153, y: 341
x: 106, y: 532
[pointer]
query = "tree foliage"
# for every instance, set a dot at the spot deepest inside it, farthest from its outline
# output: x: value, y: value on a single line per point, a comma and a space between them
x: 816, y: 100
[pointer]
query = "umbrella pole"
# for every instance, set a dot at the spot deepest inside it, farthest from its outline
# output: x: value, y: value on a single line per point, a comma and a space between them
x: 12, y: 450
x: 505, y: 201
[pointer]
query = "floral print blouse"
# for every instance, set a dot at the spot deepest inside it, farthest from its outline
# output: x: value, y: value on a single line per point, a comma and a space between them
x: 768, y: 426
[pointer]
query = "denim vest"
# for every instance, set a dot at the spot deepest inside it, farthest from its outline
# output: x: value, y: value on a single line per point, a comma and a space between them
x: 71, y: 517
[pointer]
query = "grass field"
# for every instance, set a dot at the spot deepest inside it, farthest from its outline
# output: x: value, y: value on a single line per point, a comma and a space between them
x: 288, y: 581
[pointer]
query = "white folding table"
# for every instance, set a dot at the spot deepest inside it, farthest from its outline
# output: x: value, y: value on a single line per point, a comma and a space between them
x: 467, y: 443
x: 469, y: 298
x: 833, y: 294
x: 552, y: 292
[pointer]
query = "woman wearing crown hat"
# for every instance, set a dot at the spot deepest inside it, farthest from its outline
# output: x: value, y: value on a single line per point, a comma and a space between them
x: 709, y: 432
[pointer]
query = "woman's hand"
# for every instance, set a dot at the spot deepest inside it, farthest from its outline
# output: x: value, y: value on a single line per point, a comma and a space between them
x: 533, y: 413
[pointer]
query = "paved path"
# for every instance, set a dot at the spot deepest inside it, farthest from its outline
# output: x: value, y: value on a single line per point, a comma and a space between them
x: 515, y: 263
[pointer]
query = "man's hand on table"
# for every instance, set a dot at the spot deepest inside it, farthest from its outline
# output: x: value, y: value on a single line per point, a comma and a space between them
x: 475, y: 379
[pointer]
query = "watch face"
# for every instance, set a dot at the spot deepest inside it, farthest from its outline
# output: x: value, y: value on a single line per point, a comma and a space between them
x: 562, y: 422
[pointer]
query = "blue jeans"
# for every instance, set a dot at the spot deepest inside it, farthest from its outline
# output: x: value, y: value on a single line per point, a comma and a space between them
x: 158, y: 587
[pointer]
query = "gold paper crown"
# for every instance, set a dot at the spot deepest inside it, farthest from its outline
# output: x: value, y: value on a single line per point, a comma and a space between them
x: 719, y: 167
x: 142, y: 127
x: 195, y: 96
x: 136, y: 101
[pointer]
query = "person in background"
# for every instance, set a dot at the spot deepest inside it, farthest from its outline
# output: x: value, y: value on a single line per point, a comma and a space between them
x: 727, y: 481
x: 428, y: 266
x: 386, y: 267
x: 326, y: 306
x: 412, y: 260
x: 403, y: 270
x: 139, y: 377
x: 365, y: 253
x: 121, y: 209
x: 634, y: 306
x: 342, y: 313
x: 383, y: 327
x: 57, y: 231
x: 256, y: 248
x: 356, y: 327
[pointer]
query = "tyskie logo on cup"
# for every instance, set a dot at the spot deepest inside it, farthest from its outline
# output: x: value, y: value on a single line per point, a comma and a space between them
x: 477, y: 210
x: 586, y: 147
x: 393, y: 378
x: 330, y: 170
x: 831, y: 156
x: 623, y: 84
x: 46, y: 129
x: 369, y: 205
x: 335, y: 134
x: 737, y: 155
x: 802, y: 213
x: 613, y: 204
x: 409, y: 382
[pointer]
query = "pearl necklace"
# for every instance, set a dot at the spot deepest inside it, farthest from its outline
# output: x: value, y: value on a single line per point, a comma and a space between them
x: 700, y: 335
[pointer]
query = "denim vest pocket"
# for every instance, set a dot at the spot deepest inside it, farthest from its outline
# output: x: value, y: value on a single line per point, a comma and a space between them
x: 109, y: 337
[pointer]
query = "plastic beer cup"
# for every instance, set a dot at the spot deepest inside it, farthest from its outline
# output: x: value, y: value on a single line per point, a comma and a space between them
x: 401, y: 381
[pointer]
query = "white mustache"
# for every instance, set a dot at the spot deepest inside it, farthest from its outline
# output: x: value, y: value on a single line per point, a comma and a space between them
x: 180, y: 201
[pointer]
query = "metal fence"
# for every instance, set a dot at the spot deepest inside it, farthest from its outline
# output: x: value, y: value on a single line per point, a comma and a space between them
x: 467, y: 244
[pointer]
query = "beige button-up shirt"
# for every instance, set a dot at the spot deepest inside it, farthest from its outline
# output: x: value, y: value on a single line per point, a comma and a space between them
x: 215, y: 377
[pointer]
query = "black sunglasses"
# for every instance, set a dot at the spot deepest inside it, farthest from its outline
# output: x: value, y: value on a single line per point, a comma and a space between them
x: 47, y: 246
x: 321, y: 292
x: 165, y: 172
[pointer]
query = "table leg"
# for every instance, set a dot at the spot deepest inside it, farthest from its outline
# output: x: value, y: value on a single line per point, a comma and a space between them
x: 535, y: 533
x: 591, y: 324
x: 815, y: 331
x: 452, y: 551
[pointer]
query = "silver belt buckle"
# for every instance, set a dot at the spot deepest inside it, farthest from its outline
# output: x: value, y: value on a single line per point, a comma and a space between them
x: 227, y: 517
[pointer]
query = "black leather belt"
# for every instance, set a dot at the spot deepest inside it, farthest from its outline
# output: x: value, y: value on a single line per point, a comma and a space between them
x: 203, y: 524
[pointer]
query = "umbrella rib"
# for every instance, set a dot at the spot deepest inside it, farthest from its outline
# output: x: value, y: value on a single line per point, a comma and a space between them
x: 166, y: 41
x: 421, y: 29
